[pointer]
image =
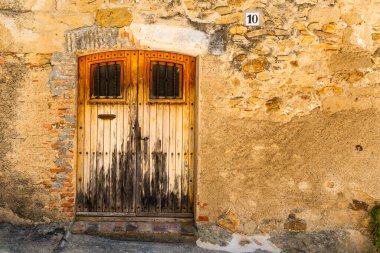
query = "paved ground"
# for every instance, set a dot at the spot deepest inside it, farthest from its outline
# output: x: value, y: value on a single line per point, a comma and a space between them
x: 44, y: 239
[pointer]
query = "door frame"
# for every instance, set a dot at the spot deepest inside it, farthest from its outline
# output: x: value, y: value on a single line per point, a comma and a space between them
x: 80, y: 139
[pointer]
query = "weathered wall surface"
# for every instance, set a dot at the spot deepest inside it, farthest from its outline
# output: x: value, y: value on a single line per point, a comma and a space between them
x: 288, y: 112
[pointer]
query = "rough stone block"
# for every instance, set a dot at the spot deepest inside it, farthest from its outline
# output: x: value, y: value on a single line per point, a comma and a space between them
x: 273, y: 104
x: 131, y: 227
x: 119, y: 227
x: 223, y: 10
x: 255, y: 33
x: 352, y: 18
x: 78, y: 227
x: 187, y: 228
x: 238, y: 29
x: 159, y: 226
x: 375, y: 36
x: 209, y: 232
x: 173, y: 227
x: 229, y: 220
x: 240, y: 39
x: 256, y: 65
x: 324, y: 15
x: 106, y: 227
x: 295, y: 224
x: 117, y: 17
x: 230, y: 19
x: 145, y: 226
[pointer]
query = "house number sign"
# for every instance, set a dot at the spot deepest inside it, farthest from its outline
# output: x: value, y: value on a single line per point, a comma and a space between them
x: 252, y: 19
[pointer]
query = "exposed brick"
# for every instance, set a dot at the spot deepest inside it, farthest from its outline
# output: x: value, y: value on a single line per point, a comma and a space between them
x: 69, y: 194
x: 53, y: 204
x: 202, y: 218
x: 57, y: 82
x: 56, y: 170
x: 69, y: 214
x: 67, y: 204
x: 56, y: 189
x: 68, y: 210
x: 47, y: 126
x: 68, y: 185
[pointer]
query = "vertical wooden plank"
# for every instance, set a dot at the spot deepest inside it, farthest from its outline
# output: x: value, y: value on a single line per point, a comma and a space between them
x: 106, y: 159
x: 113, y: 157
x: 141, y: 147
x: 136, y: 132
x: 152, y: 146
x: 127, y: 134
x: 185, y: 141
x: 172, y: 158
x: 165, y: 193
x: 93, y: 155
x: 144, y: 175
x: 100, y: 161
x: 81, y: 129
x: 120, y: 137
x: 158, y: 153
x: 191, y: 132
x: 179, y: 163
x: 120, y: 147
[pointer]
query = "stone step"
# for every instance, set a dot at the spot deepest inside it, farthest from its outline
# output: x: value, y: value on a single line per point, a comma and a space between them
x: 162, y: 231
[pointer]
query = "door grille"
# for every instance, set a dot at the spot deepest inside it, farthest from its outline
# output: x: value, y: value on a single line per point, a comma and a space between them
x: 106, y: 80
x: 166, y: 80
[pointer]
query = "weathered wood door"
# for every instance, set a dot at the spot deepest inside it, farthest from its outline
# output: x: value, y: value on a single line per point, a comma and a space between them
x: 135, y: 134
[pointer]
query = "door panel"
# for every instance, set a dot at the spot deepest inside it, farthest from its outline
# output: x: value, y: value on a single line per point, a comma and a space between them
x: 165, y: 167
x: 135, y: 151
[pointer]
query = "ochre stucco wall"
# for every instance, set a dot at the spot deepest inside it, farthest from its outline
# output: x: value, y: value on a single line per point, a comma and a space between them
x: 288, y: 112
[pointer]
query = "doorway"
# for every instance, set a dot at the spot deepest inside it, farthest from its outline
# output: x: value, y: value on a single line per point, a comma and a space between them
x: 135, y: 154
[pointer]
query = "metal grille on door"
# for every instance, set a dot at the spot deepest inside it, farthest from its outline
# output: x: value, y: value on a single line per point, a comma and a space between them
x: 136, y: 134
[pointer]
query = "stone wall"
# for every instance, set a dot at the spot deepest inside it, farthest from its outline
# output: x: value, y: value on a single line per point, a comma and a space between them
x: 288, y: 112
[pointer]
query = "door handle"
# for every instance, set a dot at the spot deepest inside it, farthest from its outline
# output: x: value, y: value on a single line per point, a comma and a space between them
x: 145, y: 138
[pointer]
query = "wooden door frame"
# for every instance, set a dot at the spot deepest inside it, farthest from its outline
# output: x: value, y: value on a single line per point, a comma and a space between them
x: 83, y: 79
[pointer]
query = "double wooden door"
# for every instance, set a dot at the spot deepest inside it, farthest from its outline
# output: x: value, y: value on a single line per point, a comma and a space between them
x: 135, y: 134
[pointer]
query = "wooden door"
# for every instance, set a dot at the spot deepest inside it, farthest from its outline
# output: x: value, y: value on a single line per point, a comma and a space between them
x: 135, y: 134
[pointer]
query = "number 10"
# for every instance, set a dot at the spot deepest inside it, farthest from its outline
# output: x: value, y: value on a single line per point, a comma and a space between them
x: 252, y: 19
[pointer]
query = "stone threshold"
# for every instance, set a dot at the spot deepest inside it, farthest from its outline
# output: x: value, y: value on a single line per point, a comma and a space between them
x: 137, y: 228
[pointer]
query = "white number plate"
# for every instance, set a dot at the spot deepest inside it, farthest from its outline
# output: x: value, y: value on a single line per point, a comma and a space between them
x: 252, y: 19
